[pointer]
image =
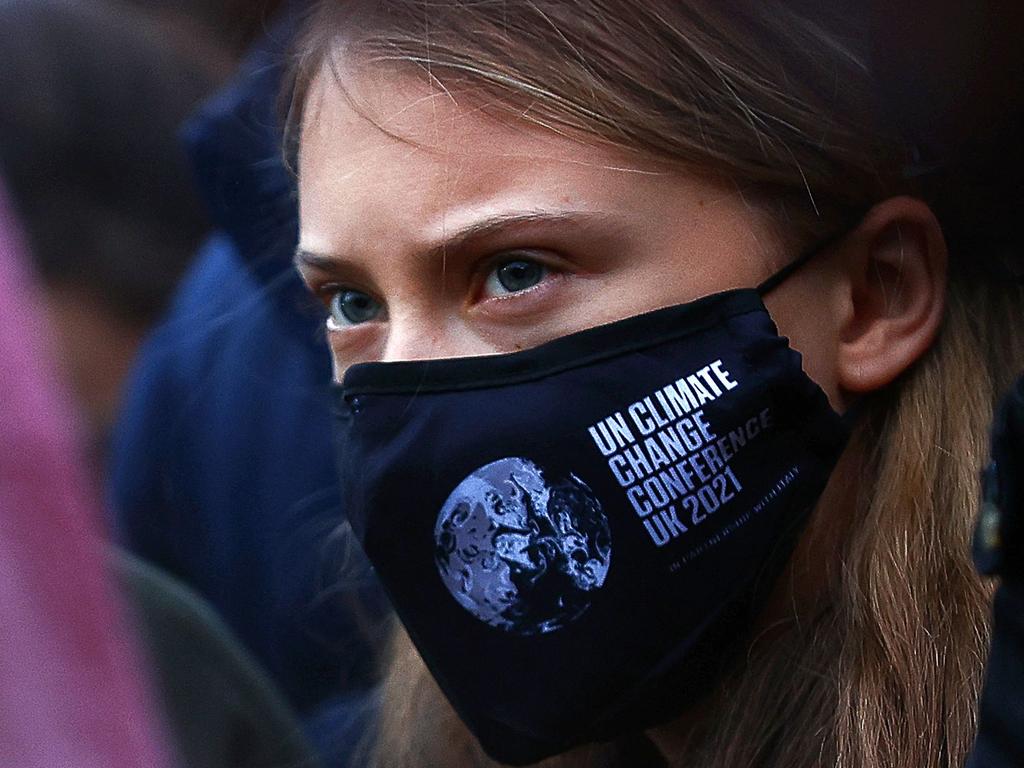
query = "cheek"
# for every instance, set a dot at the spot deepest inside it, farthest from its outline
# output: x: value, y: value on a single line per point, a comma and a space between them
x: 359, y: 344
x: 806, y: 313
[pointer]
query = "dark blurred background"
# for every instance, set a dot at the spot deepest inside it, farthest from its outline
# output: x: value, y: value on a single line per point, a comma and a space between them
x: 141, y: 149
x: 94, y: 94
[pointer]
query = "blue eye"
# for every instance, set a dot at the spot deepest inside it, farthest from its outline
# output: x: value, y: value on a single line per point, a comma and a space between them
x: 350, y: 307
x: 515, y: 276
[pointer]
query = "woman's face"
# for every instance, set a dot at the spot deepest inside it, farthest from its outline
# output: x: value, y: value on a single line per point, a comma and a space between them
x: 434, y: 229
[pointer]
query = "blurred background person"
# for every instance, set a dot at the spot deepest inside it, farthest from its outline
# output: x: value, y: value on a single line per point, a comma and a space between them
x: 90, y: 675
x: 92, y: 98
x: 71, y: 692
x: 223, y: 460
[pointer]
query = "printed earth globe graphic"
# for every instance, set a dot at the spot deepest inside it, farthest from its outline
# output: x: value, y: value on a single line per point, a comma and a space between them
x: 520, y: 551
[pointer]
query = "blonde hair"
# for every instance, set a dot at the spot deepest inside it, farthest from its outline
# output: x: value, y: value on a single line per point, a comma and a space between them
x: 885, y: 669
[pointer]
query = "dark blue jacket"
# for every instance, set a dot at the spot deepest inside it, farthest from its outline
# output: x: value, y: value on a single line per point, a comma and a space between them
x: 999, y: 551
x: 222, y: 469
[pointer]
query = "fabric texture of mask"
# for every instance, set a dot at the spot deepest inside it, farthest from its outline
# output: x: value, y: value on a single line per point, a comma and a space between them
x: 577, y: 536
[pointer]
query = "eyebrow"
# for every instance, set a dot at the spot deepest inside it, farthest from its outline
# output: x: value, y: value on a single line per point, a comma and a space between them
x: 487, y: 227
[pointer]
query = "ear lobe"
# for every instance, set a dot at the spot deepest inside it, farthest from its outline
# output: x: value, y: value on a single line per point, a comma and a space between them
x: 895, y: 268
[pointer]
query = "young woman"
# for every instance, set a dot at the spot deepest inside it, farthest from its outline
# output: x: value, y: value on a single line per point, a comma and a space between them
x: 619, y: 538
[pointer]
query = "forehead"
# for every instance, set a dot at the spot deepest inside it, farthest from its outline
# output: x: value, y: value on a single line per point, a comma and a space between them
x: 395, y: 151
x: 385, y: 109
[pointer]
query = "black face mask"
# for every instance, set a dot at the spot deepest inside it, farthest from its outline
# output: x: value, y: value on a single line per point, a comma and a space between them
x: 576, y: 536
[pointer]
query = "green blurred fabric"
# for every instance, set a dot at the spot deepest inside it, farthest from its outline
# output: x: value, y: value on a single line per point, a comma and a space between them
x: 222, y: 710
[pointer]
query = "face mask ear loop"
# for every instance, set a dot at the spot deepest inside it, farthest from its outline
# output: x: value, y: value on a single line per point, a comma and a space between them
x: 852, y: 414
x: 773, y: 282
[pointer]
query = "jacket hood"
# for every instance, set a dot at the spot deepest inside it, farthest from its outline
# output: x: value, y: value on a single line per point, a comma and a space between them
x: 235, y: 142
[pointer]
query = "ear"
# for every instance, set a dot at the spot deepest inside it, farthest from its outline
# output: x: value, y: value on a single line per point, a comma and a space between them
x: 894, y: 265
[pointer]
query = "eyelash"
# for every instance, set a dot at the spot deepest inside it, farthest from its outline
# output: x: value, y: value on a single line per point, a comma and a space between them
x: 491, y: 266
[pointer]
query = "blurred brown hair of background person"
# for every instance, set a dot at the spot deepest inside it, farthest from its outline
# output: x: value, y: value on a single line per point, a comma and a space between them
x: 234, y: 23
x: 93, y: 96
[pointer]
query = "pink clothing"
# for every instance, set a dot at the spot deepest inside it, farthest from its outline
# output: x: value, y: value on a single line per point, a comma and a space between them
x: 70, y: 689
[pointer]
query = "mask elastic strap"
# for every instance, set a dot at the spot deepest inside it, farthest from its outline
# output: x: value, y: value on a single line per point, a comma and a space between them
x: 774, y: 281
x: 852, y: 414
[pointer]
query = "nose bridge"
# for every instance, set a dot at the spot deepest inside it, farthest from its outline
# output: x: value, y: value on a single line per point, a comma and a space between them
x: 417, y: 337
